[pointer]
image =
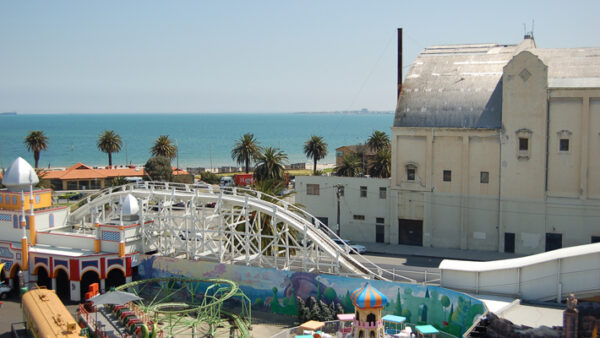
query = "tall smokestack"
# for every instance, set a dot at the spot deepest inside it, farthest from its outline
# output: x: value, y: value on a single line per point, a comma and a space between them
x: 399, y: 63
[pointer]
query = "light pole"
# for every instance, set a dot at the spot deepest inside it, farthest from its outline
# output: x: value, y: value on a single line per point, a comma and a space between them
x: 339, y: 192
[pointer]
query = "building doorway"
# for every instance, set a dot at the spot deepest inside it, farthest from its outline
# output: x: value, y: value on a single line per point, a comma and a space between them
x: 114, y: 278
x: 63, y: 286
x: 553, y: 241
x: 42, y: 278
x: 410, y: 232
x: 15, y: 280
x: 509, y: 242
x: 379, y: 233
x: 88, y: 279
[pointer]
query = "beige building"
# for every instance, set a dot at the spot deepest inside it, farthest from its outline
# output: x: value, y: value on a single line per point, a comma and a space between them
x: 495, y: 147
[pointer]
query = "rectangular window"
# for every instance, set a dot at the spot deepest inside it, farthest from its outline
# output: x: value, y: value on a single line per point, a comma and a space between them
x: 564, y: 144
x: 324, y: 220
x: 71, y: 185
x: 382, y: 193
x: 379, y: 220
x: 339, y: 154
x: 523, y: 144
x: 312, y: 189
x: 363, y: 191
x: 410, y: 174
x: 484, y: 177
x: 447, y: 175
x: 359, y: 217
x: 595, y: 239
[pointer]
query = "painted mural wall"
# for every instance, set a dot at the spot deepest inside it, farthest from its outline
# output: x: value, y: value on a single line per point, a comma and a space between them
x: 275, y: 291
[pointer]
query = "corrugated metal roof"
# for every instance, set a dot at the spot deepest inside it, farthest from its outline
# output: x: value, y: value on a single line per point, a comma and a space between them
x: 460, y: 86
x: 455, y: 87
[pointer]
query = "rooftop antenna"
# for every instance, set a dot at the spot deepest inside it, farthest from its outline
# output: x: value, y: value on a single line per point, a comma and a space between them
x: 532, y: 26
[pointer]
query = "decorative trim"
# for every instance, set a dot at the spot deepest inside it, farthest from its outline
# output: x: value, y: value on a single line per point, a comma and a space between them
x: 564, y: 133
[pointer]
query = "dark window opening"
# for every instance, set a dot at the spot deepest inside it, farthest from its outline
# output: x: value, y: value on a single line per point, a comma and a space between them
x: 447, y: 175
x: 484, y: 177
x: 359, y: 217
x: 509, y: 242
x: 564, y: 144
x: 410, y: 174
x: 595, y: 239
x: 379, y: 220
x: 363, y: 191
x: 553, y: 241
x: 523, y: 144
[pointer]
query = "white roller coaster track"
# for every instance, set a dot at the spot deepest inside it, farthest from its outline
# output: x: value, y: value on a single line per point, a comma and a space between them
x: 232, y: 225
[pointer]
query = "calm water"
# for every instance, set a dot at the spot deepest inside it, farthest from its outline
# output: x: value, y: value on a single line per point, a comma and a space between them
x: 202, y: 138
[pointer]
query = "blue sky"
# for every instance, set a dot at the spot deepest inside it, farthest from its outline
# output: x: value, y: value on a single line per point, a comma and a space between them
x: 247, y: 56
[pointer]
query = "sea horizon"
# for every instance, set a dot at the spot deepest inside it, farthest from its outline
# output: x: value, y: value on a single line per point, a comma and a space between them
x: 204, y: 139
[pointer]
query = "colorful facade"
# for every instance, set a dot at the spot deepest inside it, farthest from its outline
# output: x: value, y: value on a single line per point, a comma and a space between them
x: 37, y: 240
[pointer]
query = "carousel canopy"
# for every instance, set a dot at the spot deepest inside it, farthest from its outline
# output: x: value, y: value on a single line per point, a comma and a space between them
x: 368, y: 297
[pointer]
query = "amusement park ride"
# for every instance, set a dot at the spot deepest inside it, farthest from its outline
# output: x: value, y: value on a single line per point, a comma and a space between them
x: 99, y: 242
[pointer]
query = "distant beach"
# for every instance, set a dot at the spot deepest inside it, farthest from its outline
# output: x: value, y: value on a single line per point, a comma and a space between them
x: 204, y: 140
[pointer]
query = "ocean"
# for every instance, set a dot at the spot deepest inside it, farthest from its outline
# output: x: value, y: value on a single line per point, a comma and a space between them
x: 204, y: 140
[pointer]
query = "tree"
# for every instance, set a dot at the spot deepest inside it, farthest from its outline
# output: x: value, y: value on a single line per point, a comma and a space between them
x: 36, y: 141
x: 378, y: 140
x: 246, y: 149
x: 445, y: 301
x: 159, y: 168
x: 315, y: 148
x: 109, y: 142
x: 164, y: 148
x: 382, y: 164
x: 350, y: 166
x: 270, y: 164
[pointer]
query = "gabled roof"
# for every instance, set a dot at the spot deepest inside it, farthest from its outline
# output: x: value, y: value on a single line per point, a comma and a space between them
x: 82, y: 171
x: 457, y: 86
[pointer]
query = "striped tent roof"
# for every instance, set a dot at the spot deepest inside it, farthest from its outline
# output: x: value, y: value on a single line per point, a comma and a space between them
x: 368, y: 297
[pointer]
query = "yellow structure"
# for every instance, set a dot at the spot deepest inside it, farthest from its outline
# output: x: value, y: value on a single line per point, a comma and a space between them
x: 46, y: 316
x: 368, y: 303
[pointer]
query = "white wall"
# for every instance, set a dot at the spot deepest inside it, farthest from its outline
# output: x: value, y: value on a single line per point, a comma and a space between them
x: 543, y: 276
x: 351, y: 204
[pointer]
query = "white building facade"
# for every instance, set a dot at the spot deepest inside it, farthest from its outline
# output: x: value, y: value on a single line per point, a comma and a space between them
x: 364, y: 205
x: 494, y: 147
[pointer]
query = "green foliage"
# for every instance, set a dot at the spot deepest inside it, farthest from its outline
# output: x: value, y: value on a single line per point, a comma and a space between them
x: 445, y: 301
x: 398, y: 306
x: 330, y: 294
x: 109, y: 142
x: 247, y: 148
x: 381, y: 166
x: 164, y: 148
x: 378, y: 140
x: 315, y: 148
x: 36, y: 142
x: 117, y: 181
x: 159, y: 169
x: 210, y: 178
x: 347, y: 303
x: 270, y: 164
x: 350, y: 166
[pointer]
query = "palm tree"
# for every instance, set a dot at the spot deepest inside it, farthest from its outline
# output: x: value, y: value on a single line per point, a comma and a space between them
x: 109, y: 142
x: 316, y: 148
x: 163, y: 147
x: 270, y: 164
x: 382, y: 164
x: 36, y: 141
x: 349, y: 167
x: 378, y: 140
x: 245, y: 149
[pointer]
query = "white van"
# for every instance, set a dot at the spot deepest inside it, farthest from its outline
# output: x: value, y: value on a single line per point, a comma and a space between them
x: 226, y: 181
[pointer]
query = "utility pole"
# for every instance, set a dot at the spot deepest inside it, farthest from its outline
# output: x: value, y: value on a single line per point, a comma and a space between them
x: 339, y: 192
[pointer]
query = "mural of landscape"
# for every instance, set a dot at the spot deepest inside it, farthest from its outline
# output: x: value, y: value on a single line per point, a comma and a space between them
x: 275, y: 291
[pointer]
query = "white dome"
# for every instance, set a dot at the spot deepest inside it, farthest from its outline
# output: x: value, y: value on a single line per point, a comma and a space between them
x: 20, y: 175
x: 130, y: 205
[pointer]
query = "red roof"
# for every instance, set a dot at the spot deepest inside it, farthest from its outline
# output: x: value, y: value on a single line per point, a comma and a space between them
x: 82, y: 171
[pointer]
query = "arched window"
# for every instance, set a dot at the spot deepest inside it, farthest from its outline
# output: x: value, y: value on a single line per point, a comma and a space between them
x: 361, y: 334
x: 357, y: 316
x: 371, y: 318
x: 372, y: 335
